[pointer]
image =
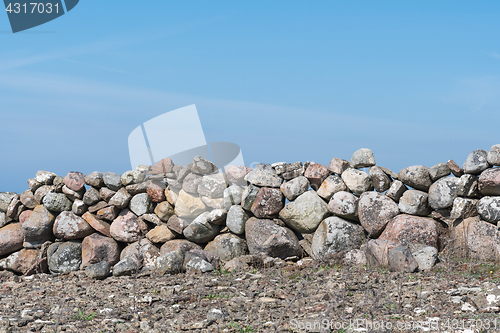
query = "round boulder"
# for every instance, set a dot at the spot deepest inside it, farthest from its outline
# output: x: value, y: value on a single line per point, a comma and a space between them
x: 336, y: 235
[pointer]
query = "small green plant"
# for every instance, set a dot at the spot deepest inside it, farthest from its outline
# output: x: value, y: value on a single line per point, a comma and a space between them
x: 85, y: 316
x: 247, y: 329
x: 223, y: 272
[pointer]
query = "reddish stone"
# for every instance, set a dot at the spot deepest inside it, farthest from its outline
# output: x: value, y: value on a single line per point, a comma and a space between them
x: 125, y: 228
x: 106, y: 194
x: 476, y: 240
x: 98, y: 206
x: 377, y: 251
x: 24, y: 216
x: 97, y: 248
x: 74, y: 181
x: 489, y: 182
x: 178, y: 244
x: 156, y: 192
x: 316, y: 174
x: 338, y: 165
x: 42, y: 191
x: 20, y: 262
x: 407, y: 229
x: 11, y: 238
x: 28, y: 199
x: 177, y: 224
x: 268, y: 202
x: 98, y: 225
x: 236, y: 174
x: 164, y: 166
x: 455, y: 168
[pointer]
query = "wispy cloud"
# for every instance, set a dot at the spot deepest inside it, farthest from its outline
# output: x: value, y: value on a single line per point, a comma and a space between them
x: 495, y: 55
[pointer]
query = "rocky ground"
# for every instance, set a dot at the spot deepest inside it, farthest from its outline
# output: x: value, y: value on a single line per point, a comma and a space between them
x: 301, y: 297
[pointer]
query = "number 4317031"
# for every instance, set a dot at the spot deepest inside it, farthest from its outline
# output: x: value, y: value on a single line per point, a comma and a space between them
x: 33, y: 7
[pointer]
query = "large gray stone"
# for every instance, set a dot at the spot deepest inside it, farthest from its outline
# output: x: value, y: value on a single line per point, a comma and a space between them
x: 401, y: 260
x: 236, y: 219
x: 375, y: 210
x: 381, y: 182
x: 344, y: 204
x: 426, y: 257
x: 113, y: 181
x: 201, y: 231
x: 493, y: 156
x: 336, y: 235
x: 212, y: 186
x: 416, y: 176
x: 362, y: 158
x: 415, y: 202
x: 305, y: 213
x: 140, y: 204
x: 232, y: 196
x: 489, y: 209
x: 64, y: 257
x: 264, y: 237
x: 443, y: 192
x: 144, y: 251
x: 476, y: 162
x: 98, y: 271
x: 227, y: 246
x: 170, y: 263
x: 57, y: 202
x: 357, y: 181
x: 264, y: 175
x: 439, y: 170
x: 69, y: 226
x: 295, y: 187
x: 464, y: 208
x: 331, y: 185
x: 126, y: 266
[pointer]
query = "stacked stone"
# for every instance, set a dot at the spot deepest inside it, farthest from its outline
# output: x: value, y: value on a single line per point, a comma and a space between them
x: 172, y: 218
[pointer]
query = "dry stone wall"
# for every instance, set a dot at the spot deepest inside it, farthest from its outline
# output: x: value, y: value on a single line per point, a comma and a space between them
x: 171, y: 218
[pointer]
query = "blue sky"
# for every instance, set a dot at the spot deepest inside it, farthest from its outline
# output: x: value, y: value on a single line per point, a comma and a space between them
x: 417, y: 82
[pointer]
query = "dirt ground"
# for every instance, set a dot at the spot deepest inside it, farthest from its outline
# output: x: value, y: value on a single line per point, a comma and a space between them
x: 310, y: 297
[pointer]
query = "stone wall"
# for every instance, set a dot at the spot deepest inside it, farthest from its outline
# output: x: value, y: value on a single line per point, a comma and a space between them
x: 170, y: 218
